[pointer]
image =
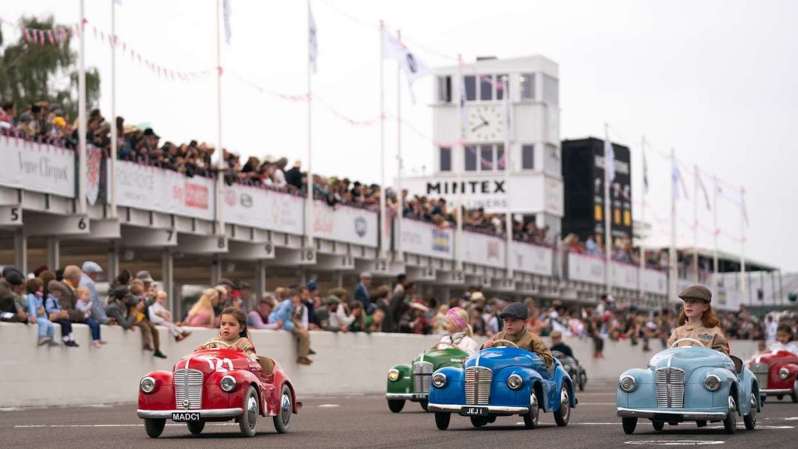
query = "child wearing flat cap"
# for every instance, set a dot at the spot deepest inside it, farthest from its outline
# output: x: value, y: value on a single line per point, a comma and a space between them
x: 514, y: 318
x: 698, y: 321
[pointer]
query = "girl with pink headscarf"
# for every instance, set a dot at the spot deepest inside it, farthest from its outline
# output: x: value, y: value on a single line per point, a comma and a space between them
x: 459, y: 332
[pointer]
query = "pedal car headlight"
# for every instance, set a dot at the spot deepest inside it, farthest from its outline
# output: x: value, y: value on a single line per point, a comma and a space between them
x: 228, y: 383
x: 393, y: 374
x: 627, y: 383
x: 784, y: 373
x: 514, y: 382
x: 439, y: 380
x: 712, y: 382
x: 147, y: 384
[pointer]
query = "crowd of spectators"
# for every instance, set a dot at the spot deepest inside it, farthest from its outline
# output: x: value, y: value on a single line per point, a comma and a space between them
x: 44, y: 123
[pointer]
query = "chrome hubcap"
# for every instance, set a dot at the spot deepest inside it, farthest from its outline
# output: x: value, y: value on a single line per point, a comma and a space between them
x: 732, y: 404
x: 252, y: 411
x: 753, y: 408
x: 534, y: 411
x: 285, y: 408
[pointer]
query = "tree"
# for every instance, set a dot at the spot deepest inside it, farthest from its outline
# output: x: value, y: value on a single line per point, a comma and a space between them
x: 30, y: 72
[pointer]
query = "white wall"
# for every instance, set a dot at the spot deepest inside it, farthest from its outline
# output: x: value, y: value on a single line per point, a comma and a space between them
x: 346, y: 363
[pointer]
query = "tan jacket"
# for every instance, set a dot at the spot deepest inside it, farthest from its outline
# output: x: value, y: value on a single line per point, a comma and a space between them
x: 530, y: 342
x: 711, y: 337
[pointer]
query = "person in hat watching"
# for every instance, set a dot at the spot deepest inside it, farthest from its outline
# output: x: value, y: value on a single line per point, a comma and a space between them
x: 698, y: 321
x: 514, y: 318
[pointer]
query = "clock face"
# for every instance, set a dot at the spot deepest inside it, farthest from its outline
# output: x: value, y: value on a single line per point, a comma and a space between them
x: 485, y: 124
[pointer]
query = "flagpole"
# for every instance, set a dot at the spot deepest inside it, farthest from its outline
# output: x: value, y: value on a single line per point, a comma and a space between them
x: 715, y: 233
x: 672, y: 262
x: 382, y: 145
x: 400, y: 215
x: 743, y: 279
x: 642, y: 218
x: 607, y: 213
x: 310, y: 208
x: 111, y: 187
x: 219, y: 153
x: 82, y: 113
x: 695, y: 224
x: 460, y: 167
x: 508, y: 216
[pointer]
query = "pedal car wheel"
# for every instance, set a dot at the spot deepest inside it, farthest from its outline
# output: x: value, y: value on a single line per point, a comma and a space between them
x: 424, y: 403
x: 629, y: 424
x: 658, y: 425
x: 794, y: 393
x: 396, y: 405
x: 730, y: 422
x: 533, y: 416
x: 154, y: 427
x: 750, y: 418
x: 701, y: 423
x: 479, y: 421
x: 563, y: 414
x: 248, y: 420
x: 195, y: 427
x: 442, y: 420
x: 283, y: 419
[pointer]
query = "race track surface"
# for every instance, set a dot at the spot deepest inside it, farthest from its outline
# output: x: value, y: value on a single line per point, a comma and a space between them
x: 365, y: 422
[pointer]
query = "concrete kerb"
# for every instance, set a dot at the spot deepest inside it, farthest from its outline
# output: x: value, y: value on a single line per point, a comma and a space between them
x: 346, y: 363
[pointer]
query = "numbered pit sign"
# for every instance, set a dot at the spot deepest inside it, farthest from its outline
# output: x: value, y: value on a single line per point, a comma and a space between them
x: 11, y: 215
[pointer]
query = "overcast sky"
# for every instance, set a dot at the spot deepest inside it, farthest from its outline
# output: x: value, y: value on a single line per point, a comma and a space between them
x: 715, y: 80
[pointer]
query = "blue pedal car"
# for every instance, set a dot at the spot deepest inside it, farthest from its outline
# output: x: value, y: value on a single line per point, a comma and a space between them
x: 502, y: 381
x: 692, y: 383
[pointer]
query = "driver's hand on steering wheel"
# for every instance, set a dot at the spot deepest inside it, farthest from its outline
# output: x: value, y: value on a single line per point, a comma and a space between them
x: 488, y: 343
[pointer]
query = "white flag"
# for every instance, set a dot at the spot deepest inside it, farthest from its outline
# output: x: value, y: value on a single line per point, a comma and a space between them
x: 702, y: 187
x: 313, y: 43
x: 413, y: 67
x: 226, y: 13
x: 743, y: 208
x: 677, y: 182
x: 645, y: 172
x: 609, y: 159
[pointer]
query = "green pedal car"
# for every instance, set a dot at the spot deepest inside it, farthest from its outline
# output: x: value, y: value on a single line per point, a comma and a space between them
x: 412, y: 382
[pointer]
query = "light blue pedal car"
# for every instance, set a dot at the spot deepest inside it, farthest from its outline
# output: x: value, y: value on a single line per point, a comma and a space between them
x: 692, y: 383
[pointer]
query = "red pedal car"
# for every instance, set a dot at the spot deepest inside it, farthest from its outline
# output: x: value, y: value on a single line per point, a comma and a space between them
x: 217, y: 385
x: 777, y: 373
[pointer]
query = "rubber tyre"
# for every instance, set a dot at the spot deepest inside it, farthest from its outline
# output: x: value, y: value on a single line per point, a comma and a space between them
x: 195, y: 427
x: 750, y: 419
x: 629, y: 423
x: 396, y: 405
x: 701, y: 423
x: 730, y: 422
x: 658, y: 425
x: 532, y: 419
x: 424, y: 403
x: 283, y: 419
x: 154, y: 427
x: 794, y: 394
x: 563, y: 413
x: 442, y: 420
x: 249, y: 419
x: 479, y: 421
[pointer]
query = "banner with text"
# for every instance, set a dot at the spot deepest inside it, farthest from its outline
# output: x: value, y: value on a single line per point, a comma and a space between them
x: 345, y: 224
x: 530, y: 258
x: 264, y: 209
x: 37, y: 167
x: 427, y: 239
x: 483, y: 249
x: 624, y: 276
x: 585, y: 268
x: 151, y: 188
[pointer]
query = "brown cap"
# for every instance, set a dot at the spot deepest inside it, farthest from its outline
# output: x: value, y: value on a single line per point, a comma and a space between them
x: 696, y: 292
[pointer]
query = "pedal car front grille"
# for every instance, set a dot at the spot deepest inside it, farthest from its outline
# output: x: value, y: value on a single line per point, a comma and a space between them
x: 422, y: 376
x: 477, y: 385
x: 670, y: 387
x: 188, y: 389
x: 761, y: 372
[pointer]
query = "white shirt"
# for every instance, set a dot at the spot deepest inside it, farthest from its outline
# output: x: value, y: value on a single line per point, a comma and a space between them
x: 772, y: 329
x: 461, y: 341
x: 154, y: 311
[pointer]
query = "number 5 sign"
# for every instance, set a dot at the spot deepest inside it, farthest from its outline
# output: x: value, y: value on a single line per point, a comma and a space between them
x: 11, y: 215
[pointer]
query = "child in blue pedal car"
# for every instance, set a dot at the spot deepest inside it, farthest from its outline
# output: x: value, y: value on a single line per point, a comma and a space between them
x: 514, y: 318
x: 697, y: 321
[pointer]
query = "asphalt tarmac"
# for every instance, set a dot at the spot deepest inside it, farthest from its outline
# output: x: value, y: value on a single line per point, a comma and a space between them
x: 365, y: 422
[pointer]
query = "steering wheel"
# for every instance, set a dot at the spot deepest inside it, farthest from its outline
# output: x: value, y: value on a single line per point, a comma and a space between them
x: 216, y: 344
x: 504, y: 341
x: 676, y: 343
x: 443, y: 345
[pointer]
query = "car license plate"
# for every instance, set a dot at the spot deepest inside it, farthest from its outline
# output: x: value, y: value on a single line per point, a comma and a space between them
x: 185, y: 416
x: 474, y: 411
